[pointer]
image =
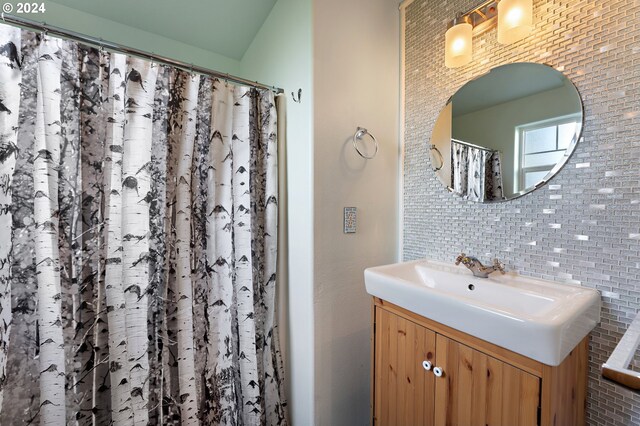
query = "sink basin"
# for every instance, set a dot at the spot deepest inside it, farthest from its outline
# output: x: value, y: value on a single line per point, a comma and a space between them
x: 539, y: 319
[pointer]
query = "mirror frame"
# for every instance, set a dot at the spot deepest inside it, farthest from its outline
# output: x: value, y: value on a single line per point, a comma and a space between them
x: 552, y: 173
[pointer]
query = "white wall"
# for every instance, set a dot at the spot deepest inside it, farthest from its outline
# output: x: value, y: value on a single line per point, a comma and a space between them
x: 356, y: 83
x: 349, y: 78
x: 281, y: 55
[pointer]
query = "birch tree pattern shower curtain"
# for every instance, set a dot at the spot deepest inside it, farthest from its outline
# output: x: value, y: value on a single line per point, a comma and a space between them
x: 476, y: 174
x: 138, y: 225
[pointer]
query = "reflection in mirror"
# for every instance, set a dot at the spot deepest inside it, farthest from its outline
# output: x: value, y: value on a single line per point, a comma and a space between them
x: 506, y: 133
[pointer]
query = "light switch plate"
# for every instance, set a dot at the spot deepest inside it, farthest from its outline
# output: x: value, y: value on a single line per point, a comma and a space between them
x: 349, y: 220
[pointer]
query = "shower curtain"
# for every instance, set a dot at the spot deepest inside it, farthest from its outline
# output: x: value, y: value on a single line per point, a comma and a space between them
x: 476, y: 174
x: 138, y: 226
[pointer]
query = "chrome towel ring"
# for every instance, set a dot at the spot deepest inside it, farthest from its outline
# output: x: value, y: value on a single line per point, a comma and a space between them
x: 358, y: 135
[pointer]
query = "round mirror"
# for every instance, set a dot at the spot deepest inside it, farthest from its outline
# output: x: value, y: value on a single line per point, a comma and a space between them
x: 506, y: 133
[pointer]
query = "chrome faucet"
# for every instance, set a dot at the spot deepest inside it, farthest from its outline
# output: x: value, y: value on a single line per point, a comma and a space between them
x: 478, y: 269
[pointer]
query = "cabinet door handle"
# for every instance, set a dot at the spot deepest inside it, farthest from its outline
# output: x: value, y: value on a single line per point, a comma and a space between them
x: 438, y: 372
x: 426, y: 365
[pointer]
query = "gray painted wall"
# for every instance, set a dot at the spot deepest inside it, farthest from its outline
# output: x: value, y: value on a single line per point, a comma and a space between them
x: 584, y: 227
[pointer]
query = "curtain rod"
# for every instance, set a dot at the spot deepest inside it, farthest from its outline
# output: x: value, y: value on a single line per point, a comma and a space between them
x: 473, y: 146
x: 61, y: 32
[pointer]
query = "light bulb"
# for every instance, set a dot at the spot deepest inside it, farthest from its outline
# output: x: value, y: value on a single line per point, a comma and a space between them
x: 458, y: 45
x: 514, y: 16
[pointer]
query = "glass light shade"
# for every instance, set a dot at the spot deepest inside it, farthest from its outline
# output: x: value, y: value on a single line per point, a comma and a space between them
x: 515, y: 20
x: 457, y: 45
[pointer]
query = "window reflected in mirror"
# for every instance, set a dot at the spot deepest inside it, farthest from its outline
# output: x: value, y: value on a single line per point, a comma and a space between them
x: 542, y: 145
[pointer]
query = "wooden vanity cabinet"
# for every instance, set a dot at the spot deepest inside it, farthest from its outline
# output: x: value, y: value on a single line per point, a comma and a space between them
x: 477, y: 383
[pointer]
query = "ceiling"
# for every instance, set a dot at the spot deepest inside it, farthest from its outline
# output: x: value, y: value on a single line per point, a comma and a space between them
x: 226, y: 27
x: 504, y: 84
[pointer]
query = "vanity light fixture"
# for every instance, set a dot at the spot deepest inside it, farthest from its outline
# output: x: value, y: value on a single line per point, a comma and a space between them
x: 514, y: 20
x: 458, y: 44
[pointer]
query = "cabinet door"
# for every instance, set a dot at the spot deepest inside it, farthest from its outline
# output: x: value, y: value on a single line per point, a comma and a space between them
x: 404, y: 389
x: 476, y: 389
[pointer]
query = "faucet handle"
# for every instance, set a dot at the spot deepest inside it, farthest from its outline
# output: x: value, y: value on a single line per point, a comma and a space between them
x: 460, y: 257
x: 498, y: 266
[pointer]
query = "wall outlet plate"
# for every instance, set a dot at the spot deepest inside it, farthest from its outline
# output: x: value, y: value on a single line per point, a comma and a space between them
x: 350, y: 220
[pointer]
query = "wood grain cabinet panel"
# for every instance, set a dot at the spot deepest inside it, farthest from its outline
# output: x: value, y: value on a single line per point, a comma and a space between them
x: 480, y: 384
x: 476, y: 389
x: 403, y: 388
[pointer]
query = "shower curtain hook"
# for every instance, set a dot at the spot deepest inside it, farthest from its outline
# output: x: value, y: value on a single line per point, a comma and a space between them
x: 152, y: 61
x: 3, y: 17
x: 191, y: 69
x: 44, y: 30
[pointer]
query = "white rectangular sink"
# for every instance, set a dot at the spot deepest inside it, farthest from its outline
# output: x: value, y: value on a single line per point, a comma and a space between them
x: 539, y: 319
